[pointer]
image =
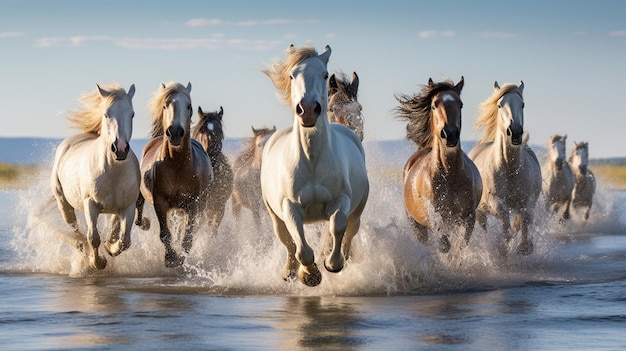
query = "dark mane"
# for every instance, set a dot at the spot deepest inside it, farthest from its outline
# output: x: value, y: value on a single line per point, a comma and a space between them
x: 417, y: 112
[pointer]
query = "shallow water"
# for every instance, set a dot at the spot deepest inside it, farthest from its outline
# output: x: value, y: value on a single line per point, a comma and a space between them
x: 394, y: 293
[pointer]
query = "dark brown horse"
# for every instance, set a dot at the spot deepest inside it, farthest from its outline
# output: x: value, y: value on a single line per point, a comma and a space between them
x: 176, y: 171
x: 247, y: 180
x: 209, y: 132
x: 440, y: 180
x: 343, y: 105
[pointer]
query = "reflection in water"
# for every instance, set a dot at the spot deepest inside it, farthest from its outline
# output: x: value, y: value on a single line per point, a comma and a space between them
x: 322, y: 323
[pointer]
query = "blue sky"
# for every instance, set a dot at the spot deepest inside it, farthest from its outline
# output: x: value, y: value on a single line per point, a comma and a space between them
x: 571, y: 56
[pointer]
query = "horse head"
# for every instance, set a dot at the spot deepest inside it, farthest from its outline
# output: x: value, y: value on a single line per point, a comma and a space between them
x: 343, y: 105
x: 556, y: 151
x: 580, y: 156
x: 209, y: 130
x: 177, y: 114
x: 446, y: 113
x: 309, y: 91
x: 117, y: 120
x: 511, y: 113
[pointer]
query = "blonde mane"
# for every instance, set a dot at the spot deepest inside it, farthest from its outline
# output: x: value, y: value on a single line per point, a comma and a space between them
x: 488, y: 112
x: 88, y: 119
x: 158, y: 100
x: 279, y: 71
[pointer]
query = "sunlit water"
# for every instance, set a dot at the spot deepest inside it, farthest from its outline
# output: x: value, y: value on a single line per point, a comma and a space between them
x: 394, y: 293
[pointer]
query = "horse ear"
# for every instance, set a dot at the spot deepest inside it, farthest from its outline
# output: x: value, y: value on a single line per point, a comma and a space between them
x: 496, y: 86
x: 221, y: 113
x: 333, y: 86
x: 274, y: 129
x: 162, y: 85
x: 131, y: 91
x: 326, y: 54
x: 355, y: 82
x: 254, y: 131
x: 188, y: 88
x: 103, y: 92
x: 521, y: 86
x: 430, y: 83
x: 459, y: 85
x: 200, y: 113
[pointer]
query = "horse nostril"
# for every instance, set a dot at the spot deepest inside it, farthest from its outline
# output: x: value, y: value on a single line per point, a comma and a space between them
x: 168, y: 132
x: 318, y: 108
x: 443, y: 134
x: 113, y: 147
x: 127, y: 148
x: 299, y: 110
x: 508, y: 131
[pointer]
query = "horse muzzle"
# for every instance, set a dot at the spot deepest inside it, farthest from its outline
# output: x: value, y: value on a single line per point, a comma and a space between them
x: 175, y: 135
x: 308, y: 113
x: 120, y: 149
x: 451, y: 135
x: 516, y: 132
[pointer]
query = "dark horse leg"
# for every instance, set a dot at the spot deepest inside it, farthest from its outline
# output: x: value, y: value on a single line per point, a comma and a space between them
x: 140, y: 221
x: 172, y: 259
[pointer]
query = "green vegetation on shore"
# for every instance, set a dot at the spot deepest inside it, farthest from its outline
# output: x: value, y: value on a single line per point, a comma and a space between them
x: 15, y: 176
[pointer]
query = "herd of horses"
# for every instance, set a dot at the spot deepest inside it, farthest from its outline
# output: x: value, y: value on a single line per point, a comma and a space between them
x: 309, y: 172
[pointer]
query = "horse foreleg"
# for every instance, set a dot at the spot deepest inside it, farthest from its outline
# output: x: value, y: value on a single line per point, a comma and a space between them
x: 291, y: 264
x: 469, y: 221
x: 93, y: 237
x: 526, y: 245
x: 338, y: 223
x: 115, y: 245
x: 192, y: 215
x: 172, y: 259
x: 140, y: 221
x: 308, y: 273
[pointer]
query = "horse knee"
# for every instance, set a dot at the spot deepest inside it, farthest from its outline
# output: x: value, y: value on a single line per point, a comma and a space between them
x: 338, y: 222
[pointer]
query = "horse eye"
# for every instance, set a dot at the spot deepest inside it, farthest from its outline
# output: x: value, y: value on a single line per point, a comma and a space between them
x: 133, y: 115
x: 326, y: 76
x: 291, y: 76
x: 499, y: 106
x: 106, y: 115
x: 523, y: 104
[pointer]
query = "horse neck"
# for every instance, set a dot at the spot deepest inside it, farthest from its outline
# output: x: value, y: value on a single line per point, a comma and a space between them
x: 511, y: 156
x: 181, y: 154
x: 312, y: 141
x: 445, y: 158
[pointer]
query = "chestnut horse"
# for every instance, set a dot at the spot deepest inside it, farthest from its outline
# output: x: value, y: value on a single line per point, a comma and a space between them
x: 176, y: 171
x: 439, y: 178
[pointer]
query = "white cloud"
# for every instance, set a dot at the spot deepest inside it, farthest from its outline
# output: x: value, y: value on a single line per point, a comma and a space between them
x: 215, y: 43
x: 203, y: 22
x: 11, y: 34
x: 499, y: 35
x: 618, y: 33
x: 429, y: 34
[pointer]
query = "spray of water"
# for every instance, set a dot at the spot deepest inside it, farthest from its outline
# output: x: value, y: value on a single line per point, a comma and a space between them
x: 246, y: 257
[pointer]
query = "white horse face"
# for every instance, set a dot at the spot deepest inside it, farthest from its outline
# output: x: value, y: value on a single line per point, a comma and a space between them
x: 557, y: 150
x: 117, y: 123
x: 177, y: 112
x: 511, y: 113
x: 309, y: 91
x: 580, y: 156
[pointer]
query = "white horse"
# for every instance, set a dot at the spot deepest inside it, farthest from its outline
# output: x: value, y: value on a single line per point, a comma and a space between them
x: 97, y: 172
x: 313, y: 170
x: 558, y: 179
x: 509, y: 168
x: 585, y: 181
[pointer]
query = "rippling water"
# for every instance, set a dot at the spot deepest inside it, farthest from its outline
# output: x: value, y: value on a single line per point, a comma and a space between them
x: 394, y: 293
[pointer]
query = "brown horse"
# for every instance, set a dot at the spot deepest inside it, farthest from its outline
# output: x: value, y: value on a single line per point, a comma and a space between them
x: 176, y: 171
x: 247, y: 169
x: 210, y: 133
x: 343, y: 106
x: 439, y: 178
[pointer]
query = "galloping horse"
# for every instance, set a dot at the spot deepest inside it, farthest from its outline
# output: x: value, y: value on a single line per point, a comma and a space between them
x: 558, y: 179
x: 509, y: 168
x: 585, y: 181
x: 97, y: 172
x: 439, y: 175
x: 247, y: 179
x: 314, y: 170
x: 343, y: 106
x: 210, y: 133
x: 176, y: 171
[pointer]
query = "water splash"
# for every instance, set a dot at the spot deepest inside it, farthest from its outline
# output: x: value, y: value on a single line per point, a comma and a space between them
x: 245, y: 258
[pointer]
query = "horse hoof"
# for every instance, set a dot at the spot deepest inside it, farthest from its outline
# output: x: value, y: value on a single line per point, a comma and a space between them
x: 98, y: 262
x: 173, y: 261
x: 310, y: 276
x: 333, y: 270
x: 144, y: 224
x: 114, y: 248
x: 525, y: 248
